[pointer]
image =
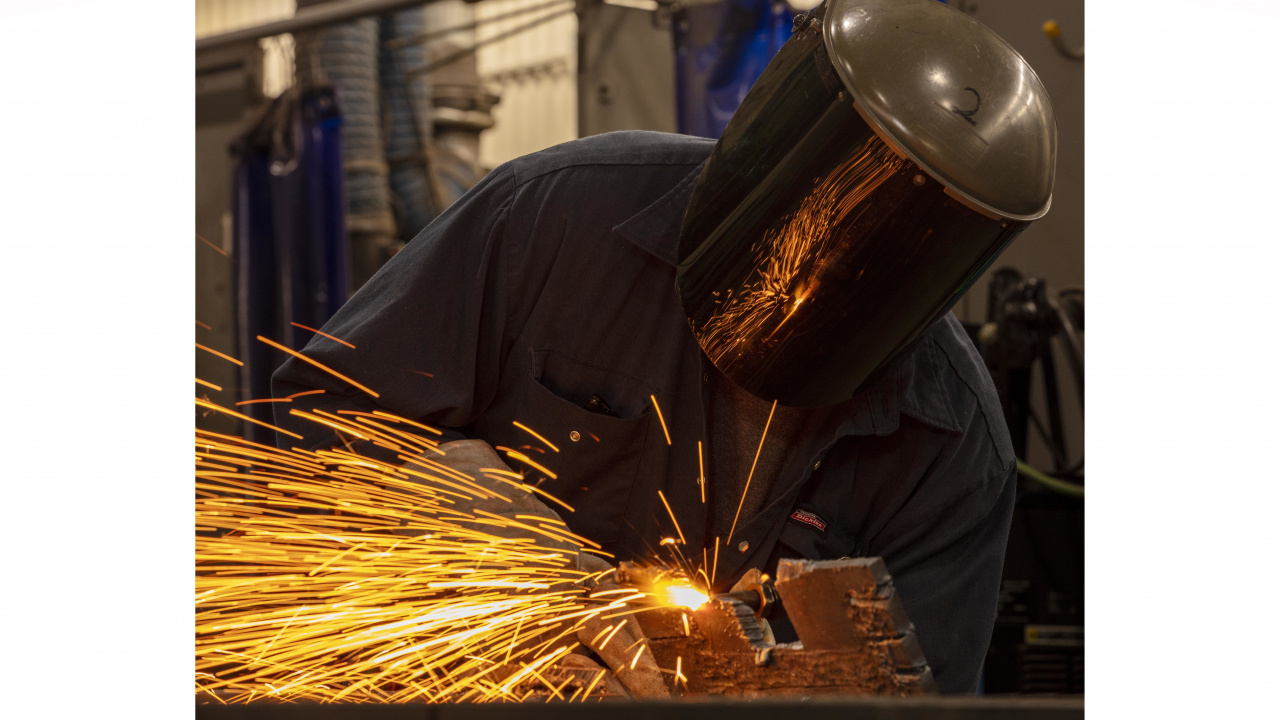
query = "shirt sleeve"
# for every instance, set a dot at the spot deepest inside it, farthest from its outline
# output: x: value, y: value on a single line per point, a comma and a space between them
x: 423, y: 338
x: 936, y: 504
x: 948, y: 577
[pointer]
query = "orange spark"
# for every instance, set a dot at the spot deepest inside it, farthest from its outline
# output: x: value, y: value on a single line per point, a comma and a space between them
x: 702, y: 478
x: 397, y: 418
x: 606, y: 629
x: 529, y: 461
x: 323, y: 334
x: 595, y: 680
x: 233, y: 413
x: 262, y: 400
x: 221, y: 355
x: 531, y: 432
x: 715, y: 559
x: 751, y: 472
x: 636, y: 659
x: 206, y: 327
x: 207, y: 384
x: 322, y: 421
x: 554, y: 499
x: 304, y: 392
x: 326, y: 368
x: 673, y: 516
x: 611, y: 634
x: 215, y: 247
x: 664, y: 422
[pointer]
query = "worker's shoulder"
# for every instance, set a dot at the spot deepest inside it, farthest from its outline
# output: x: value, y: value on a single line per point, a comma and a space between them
x: 970, y: 391
x: 637, y: 148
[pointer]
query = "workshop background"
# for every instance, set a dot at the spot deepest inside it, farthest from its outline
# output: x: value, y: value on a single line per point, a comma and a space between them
x: 321, y: 149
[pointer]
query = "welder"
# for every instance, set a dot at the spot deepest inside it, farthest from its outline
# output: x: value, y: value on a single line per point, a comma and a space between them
x: 653, y: 305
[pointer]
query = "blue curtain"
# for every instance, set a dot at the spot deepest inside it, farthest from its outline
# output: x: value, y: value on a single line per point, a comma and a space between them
x: 721, y: 48
x: 290, y: 238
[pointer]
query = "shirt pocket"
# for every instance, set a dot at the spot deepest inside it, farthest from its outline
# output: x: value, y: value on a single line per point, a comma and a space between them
x: 596, y: 457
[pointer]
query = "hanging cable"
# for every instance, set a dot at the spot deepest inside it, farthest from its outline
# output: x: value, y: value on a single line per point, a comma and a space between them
x: 454, y: 57
x: 428, y: 36
x: 1061, y: 487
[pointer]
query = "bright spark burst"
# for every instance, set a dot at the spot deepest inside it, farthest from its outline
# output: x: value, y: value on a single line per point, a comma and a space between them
x: 686, y: 595
x: 789, y: 261
x: 333, y: 576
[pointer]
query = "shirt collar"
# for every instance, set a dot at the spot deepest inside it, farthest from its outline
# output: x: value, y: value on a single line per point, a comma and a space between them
x: 656, y: 229
x: 913, y: 386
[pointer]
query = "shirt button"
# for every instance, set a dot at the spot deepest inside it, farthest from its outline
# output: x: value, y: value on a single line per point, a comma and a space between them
x: 706, y: 377
x: 574, y: 436
x: 742, y: 546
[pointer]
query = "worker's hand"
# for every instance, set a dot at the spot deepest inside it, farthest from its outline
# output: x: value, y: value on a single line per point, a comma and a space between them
x: 472, y: 458
x: 626, y: 652
x: 625, y: 649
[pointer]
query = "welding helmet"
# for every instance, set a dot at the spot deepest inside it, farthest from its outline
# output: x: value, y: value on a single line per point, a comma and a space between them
x: 885, y: 157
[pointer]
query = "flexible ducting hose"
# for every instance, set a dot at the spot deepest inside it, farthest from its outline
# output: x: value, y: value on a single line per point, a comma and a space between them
x: 408, y: 120
x: 346, y: 56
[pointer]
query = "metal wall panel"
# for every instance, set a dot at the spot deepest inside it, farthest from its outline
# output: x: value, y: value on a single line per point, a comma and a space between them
x: 214, y: 17
x: 535, y: 73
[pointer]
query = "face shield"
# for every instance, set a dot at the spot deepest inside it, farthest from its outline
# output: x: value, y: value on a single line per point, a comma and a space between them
x: 885, y: 157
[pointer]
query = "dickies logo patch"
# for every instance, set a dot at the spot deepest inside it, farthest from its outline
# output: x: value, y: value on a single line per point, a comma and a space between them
x: 811, y: 519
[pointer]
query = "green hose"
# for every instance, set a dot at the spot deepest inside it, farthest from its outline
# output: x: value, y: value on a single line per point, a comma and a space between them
x: 1052, y: 483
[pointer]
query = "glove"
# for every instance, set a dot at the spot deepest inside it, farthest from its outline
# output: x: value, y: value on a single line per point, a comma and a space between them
x: 470, y: 457
x: 619, y: 652
x: 641, y: 675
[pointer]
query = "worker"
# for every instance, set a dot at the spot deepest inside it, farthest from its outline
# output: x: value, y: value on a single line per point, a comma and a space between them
x: 754, y: 333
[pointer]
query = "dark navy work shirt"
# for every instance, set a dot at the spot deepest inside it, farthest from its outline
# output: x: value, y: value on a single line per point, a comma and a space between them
x: 553, y: 280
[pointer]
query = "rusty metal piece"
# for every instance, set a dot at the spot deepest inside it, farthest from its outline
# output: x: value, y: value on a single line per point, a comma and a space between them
x: 855, y: 638
x: 839, y: 603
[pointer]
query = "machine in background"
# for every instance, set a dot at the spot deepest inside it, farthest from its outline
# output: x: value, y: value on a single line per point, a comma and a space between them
x: 1038, y: 642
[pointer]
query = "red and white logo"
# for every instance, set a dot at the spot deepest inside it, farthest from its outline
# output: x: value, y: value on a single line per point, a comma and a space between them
x: 810, y: 519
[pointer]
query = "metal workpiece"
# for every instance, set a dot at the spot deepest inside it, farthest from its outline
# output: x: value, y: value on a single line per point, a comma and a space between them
x: 952, y: 96
x: 841, y: 603
x: 855, y: 638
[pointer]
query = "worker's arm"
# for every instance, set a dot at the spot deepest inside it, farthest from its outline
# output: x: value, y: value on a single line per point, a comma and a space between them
x: 427, y: 330
x: 935, y: 500
x: 948, y: 576
x: 624, y: 649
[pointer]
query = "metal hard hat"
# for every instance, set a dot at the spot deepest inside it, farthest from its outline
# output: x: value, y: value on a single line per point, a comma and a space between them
x: 952, y: 96
x: 883, y: 160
